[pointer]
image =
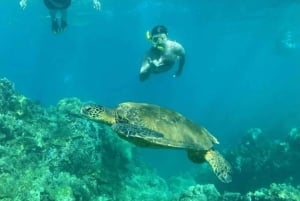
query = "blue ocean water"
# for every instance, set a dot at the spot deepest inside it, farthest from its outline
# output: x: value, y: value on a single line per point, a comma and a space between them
x: 242, y: 69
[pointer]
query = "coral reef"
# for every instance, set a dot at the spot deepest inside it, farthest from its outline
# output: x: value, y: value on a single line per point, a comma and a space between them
x: 53, y: 154
x: 200, y: 193
x: 278, y: 192
x: 259, y: 161
x: 275, y: 192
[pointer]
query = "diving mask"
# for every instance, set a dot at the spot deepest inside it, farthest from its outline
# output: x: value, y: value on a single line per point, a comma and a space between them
x: 157, y: 40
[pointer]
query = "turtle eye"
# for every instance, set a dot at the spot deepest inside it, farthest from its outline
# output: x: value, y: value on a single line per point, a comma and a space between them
x: 86, y: 109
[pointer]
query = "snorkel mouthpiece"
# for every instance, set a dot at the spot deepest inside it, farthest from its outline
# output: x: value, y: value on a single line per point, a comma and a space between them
x: 159, y: 47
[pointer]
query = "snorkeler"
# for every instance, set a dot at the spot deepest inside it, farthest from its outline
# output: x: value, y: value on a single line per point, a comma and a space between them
x: 58, y: 14
x: 96, y: 4
x: 162, y: 55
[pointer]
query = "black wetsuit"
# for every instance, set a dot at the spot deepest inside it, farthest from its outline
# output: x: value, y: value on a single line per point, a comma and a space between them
x: 57, y: 4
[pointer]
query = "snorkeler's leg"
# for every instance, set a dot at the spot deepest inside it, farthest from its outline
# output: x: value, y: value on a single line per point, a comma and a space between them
x: 54, y: 21
x: 144, y: 76
x: 64, y: 16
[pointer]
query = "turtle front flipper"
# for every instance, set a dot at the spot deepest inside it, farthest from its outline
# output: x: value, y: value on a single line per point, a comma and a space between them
x: 137, y: 134
x: 220, y: 166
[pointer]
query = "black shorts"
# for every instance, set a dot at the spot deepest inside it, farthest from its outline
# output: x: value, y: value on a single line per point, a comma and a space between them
x: 57, y: 4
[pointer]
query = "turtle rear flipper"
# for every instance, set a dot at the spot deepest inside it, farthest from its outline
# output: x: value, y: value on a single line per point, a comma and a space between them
x: 220, y: 166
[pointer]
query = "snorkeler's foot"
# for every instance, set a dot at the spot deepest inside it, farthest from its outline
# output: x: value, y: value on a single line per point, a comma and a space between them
x: 55, y: 26
x: 144, y: 76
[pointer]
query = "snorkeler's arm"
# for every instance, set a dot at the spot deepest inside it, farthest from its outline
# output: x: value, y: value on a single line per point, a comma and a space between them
x: 180, y: 66
x: 145, y: 69
x: 181, y: 60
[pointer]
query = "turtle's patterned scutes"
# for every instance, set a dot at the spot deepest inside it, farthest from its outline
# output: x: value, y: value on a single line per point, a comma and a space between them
x: 178, y: 131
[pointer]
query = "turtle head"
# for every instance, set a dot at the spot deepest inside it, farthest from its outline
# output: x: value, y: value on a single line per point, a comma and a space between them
x: 98, y: 113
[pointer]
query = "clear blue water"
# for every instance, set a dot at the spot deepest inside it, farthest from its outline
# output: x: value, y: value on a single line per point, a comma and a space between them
x: 242, y: 69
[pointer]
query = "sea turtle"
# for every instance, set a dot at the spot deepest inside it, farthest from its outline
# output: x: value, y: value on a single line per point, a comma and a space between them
x: 149, y: 125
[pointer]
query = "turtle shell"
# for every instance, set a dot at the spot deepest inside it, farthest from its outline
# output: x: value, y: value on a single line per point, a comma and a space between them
x: 172, y: 129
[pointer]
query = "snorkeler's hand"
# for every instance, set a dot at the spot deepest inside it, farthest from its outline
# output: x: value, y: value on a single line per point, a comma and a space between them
x: 97, y: 4
x: 157, y: 62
